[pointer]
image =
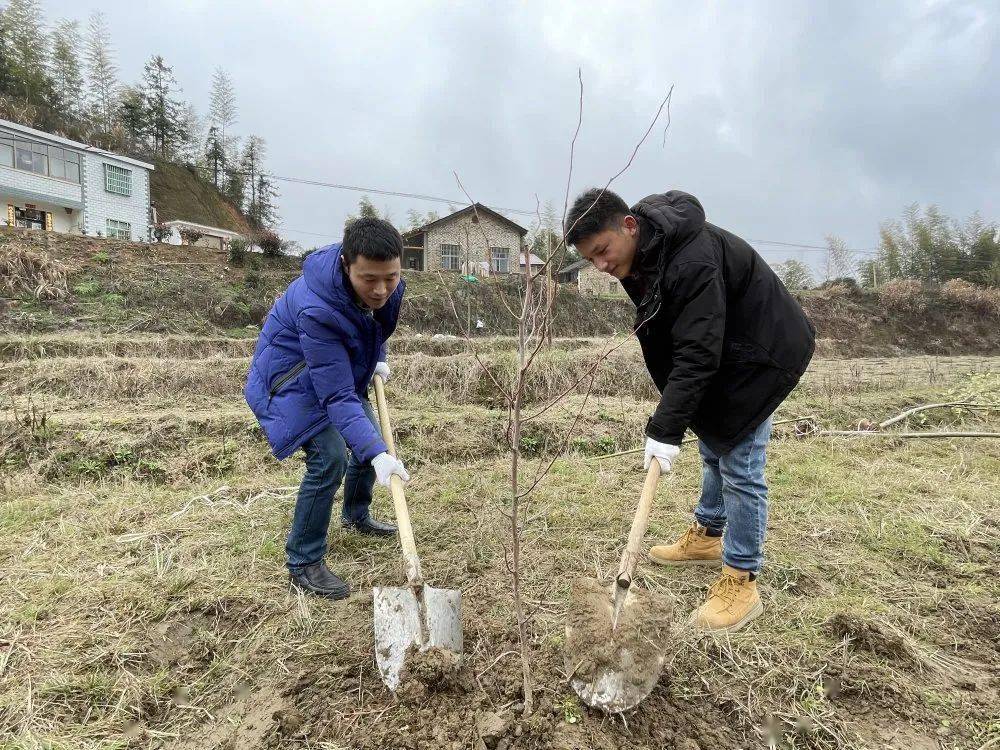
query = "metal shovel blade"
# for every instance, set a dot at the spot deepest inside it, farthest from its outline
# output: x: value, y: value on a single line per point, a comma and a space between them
x: 404, y: 624
x: 621, y: 677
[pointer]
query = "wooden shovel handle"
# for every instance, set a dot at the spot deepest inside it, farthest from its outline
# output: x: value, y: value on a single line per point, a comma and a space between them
x: 630, y: 557
x: 413, y: 572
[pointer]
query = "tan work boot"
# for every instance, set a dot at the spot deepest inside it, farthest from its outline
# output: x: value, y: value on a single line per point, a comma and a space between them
x: 732, y: 602
x: 695, y: 547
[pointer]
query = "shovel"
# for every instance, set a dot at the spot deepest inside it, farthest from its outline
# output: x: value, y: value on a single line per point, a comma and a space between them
x: 629, y: 665
x: 418, y: 617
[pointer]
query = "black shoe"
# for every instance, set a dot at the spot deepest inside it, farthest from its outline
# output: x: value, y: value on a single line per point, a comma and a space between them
x: 317, y: 579
x: 371, y: 527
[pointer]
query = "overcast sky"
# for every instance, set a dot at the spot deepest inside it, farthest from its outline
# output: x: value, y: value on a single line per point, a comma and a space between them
x: 790, y: 121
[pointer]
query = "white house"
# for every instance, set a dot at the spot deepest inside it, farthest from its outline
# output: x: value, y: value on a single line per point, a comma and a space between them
x: 182, y: 232
x: 52, y: 183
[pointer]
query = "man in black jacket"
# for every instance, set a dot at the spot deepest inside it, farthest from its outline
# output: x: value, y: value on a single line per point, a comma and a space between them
x: 725, y: 343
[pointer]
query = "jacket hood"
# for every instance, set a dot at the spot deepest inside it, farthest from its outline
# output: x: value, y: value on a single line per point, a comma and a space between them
x: 678, y: 215
x: 324, y: 275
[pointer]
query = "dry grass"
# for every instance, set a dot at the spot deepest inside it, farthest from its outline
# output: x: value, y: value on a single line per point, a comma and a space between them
x: 962, y: 294
x: 143, y: 599
x: 23, y: 271
x: 138, y: 368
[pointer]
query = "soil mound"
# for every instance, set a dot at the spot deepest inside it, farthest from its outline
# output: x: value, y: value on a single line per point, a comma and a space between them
x: 634, y: 649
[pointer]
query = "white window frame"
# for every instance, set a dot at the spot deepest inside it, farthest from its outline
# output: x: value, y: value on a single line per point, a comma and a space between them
x: 498, y: 254
x: 454, y: 255
x: 118, y: 230
x: 117, y: 180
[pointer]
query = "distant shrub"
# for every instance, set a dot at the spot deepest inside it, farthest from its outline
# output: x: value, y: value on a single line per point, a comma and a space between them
x: 848, y: 283
x: 160, y: 232
x: 253, y: 279
x: 190, y: 236
x: 978, y: 299
x: 903, y: 296
x: 269, y: 242
x: 237, y: 251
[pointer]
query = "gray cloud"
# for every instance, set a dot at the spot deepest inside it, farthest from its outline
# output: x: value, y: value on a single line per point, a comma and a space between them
x: 790, y: 120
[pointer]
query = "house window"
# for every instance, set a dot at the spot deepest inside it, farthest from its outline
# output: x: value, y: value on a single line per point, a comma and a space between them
x: 500, y: 259
x: 24, y: 157
x: 450, y: 257
x: 29, y: 156
x: 119, y: 230
x: 64, y: 164
x: 117, y: 179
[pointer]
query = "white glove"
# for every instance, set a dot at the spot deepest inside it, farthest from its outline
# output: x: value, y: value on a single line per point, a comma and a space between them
x: 386, y: 465
x: 663, y: 452
x: 382, y: 368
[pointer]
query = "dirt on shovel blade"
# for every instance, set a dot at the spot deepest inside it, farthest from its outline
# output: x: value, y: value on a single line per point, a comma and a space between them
x: 634, y: 648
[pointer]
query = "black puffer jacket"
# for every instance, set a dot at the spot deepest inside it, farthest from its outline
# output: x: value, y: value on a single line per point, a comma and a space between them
x: 723, y: 339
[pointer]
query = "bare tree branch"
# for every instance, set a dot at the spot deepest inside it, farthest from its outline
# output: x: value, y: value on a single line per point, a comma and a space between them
x: 873, y: 433
x: 954, y: 404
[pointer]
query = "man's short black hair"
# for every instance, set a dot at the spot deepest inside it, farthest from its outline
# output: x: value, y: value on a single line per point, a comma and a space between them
x: 593, y: 211
x: 376, y: 239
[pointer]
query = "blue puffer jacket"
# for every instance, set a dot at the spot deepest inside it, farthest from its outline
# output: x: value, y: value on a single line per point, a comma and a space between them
x: 315, y: 357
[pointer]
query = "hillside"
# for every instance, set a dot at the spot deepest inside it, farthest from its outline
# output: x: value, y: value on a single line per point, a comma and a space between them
x: 180, y: 193
x: 114, y: 286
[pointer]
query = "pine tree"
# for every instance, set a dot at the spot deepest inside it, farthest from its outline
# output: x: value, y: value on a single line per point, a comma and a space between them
x: 263, y: 212
x: 133, y: 117
x: 222, y: 114
x: 167, y: 128
x: 235, y: 186
x: 26, y: 48
x: 6, y: 67
x: 102, y: 74
x: 251, y: 165
x: 67, y: 75
x: 215, y: 157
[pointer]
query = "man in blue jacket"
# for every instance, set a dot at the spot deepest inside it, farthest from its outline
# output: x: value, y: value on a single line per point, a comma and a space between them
x: 321, y: 344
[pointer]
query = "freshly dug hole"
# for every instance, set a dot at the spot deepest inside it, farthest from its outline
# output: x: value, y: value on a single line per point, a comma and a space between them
x: 635, y: 648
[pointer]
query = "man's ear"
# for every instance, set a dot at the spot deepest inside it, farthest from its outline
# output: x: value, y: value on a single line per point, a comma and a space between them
x: 630, y: 224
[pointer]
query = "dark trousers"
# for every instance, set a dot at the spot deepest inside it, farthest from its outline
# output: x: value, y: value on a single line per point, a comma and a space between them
x: 328, y: 463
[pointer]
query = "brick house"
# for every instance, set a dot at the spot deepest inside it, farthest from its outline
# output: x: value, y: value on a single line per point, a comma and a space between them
x: 54, y: 184
x: 475, y: 240
x: 588, y: 280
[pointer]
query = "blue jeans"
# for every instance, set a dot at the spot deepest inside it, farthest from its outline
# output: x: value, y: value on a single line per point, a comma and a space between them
x: 328, y: 461
x: 734, y: 498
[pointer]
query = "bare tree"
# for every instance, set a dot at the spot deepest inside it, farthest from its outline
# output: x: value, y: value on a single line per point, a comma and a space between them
x: 839, y: 260
x: 222, y: 113
x: 794, y: 274
x: 534, y: 321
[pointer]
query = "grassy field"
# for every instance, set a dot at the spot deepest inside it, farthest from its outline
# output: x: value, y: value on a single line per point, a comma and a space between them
x: 144, y: 602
